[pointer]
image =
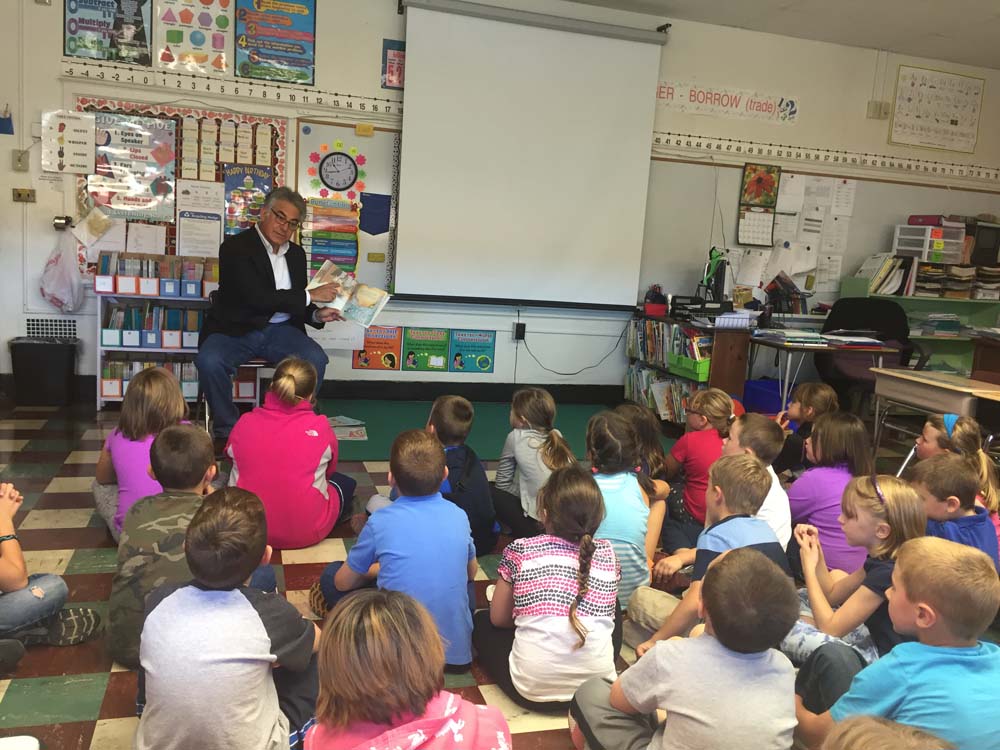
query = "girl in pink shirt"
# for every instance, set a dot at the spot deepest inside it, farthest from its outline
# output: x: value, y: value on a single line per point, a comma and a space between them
x: 381, y: 680
x: 286, y: 454
x: 152, y: 402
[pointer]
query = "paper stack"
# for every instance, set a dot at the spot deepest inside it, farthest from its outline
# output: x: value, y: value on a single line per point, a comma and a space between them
x: 941, y: 324
x: 930, y: 280
x: 987, y: 284
x: 958, y: 282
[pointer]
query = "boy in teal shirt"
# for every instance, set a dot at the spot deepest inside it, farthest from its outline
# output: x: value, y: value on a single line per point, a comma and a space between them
x: 946, y: 594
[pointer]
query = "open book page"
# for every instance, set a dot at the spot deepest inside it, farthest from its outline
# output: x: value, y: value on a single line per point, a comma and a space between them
x: 365, y: 304
x: 331, y: 273
x: 359, y: 303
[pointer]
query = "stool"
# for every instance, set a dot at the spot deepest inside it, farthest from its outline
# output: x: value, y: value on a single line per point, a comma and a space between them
x: 259, y: 365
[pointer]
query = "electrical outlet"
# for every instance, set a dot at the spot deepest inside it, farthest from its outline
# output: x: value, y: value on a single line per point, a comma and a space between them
x: 19, y: 160
x: 24, y: 195
x: 886, y: 110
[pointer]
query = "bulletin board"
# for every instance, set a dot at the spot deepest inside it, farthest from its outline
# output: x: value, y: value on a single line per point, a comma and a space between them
x: 325, y: 152
x: 204, y: 141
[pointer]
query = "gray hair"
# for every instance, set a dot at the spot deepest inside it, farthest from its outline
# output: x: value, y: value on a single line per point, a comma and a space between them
x: 285, y: 194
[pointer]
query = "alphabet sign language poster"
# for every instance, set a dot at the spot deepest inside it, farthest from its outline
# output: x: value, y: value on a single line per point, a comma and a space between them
x: 935, y: 109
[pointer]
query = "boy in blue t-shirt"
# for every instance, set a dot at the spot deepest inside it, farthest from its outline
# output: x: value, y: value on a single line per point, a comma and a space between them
x: 737, y: 486
x: 946, y: 594
x: 948, y: 485
x: 420, y: 545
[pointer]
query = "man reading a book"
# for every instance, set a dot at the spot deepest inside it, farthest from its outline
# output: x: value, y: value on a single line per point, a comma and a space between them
x: 261, y: 307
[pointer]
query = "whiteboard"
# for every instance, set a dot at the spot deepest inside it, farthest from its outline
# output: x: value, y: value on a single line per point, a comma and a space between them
x: 517, y: 182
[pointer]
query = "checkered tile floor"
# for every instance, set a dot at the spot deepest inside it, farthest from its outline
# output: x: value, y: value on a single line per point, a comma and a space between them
x: 76, y: 698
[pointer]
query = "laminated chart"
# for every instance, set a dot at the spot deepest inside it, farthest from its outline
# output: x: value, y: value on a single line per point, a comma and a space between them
x: 276, y: 41
x: 194, y: 37
x: 330, y: 232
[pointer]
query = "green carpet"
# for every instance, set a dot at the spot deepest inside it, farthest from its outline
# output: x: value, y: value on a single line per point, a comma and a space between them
x: 386, y: 419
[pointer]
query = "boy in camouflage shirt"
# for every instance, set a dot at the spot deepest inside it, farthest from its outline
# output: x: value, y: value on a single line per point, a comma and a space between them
x: 151, y: 550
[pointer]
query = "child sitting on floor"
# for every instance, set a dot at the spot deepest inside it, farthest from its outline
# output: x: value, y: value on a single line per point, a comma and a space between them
x: 948, y: 485
x: 466, y: 484
x: 551, y: 622
x: 727, y: 688
x: 223, y: 664
x: 420, y: 544
x: 631, y: 522
x: 878, y: 514
x: 737, y: 485
x: 840, y: 450
x: 944, y: 433
x: 652, y: 459
x: 876, y: 733
x: 534, y: 448
x: 945, y: 595
x: 381, y: 683
x: 152, y: 402
x: 286, y: 454
x: 31, y: 605
x: 709, y: 414
x: 151, y: 551
x: 810, y: 401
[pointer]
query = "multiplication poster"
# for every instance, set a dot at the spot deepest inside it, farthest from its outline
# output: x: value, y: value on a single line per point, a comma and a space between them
x: 108, y: 30
x: 472, y: 351
x: 134, y: 171
x: 194, y: 37
x: 276, y: 41
x: 381, y: 349
x: 426, y: 349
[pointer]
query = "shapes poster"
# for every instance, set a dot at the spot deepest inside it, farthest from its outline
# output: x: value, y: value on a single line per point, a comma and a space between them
x: 426, y: 349
x: 194, y: 37
x: 472, y: 351
x: 247, y: 186
x: 115, y: 30
x: 135, y: 162
x: 381, y: 349
x: 276, y: 41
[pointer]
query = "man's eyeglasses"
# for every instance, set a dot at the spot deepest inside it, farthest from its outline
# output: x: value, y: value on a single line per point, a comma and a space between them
x: 284, y: 220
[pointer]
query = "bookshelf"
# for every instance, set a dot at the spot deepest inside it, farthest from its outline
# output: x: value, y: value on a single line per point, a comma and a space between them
x: 947, y: 352
x: 669, y: 360
x: 137, y: 331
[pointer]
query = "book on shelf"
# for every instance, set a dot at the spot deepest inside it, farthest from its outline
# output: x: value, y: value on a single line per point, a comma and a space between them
x: 666, y: 395
x: 653, y: 340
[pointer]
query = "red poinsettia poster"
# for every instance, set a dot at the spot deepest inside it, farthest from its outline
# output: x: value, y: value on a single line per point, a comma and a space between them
x: 758, y: 197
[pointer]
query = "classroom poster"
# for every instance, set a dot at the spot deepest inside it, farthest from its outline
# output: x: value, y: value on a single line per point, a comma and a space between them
x: 472, y: 351
x: 246, y: 186
x: 935, y: 109
x: 200, y: 211
x: 134, y: 172
x: 276, y: 41
x: 426, y: 349
x: 68, y: 142
x: 115, y: 30
x: 381, y: 349
x: 194, y: 38
x: 393, y: 64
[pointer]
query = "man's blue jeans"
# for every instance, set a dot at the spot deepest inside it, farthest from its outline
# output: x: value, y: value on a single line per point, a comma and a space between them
x: 219, y: 357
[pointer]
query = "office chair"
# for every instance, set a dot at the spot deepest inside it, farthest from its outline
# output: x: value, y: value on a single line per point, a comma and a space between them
x: 848, y: 372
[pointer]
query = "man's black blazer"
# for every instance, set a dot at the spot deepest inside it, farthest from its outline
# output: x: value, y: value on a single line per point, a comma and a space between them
x: 246, y: 298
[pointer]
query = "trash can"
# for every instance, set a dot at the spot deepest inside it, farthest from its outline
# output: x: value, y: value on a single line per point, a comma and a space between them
x: 44, y: 369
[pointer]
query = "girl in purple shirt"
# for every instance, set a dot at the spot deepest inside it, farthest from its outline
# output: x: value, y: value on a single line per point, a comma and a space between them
x: 152, y: 402
x: 839, y: 450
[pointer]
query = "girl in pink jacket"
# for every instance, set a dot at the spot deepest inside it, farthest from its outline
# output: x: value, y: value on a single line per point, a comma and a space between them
x: 286, y: 454
x: 381, y: 683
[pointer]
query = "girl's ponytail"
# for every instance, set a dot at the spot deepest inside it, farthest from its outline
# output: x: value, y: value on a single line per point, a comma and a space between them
x: 587, y: 548
x: 555, y: 451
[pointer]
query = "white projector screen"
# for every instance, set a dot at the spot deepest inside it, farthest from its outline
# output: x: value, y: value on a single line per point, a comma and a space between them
x: 525, y: 161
